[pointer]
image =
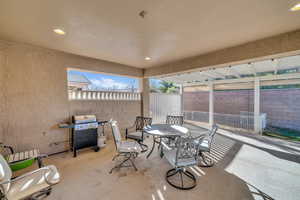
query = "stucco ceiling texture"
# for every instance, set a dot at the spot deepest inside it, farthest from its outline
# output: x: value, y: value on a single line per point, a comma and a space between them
x: 171, y: 30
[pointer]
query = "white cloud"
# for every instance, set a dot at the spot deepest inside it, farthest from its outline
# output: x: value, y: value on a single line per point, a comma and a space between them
x: 107, y: 83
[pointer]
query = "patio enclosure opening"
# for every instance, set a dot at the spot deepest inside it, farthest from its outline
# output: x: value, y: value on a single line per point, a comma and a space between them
x: 86, y: 85
x: 258, y: 97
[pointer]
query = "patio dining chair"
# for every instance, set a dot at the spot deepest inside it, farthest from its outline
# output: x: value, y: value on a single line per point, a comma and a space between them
x: 174, y: 120
x: 128, y: 150
x: 138, y: 131
x: 205, y: 147
x: 183, y: 156
x: 32, y: 185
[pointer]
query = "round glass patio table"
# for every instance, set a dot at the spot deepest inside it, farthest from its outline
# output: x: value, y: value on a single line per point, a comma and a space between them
x: 159, y: 131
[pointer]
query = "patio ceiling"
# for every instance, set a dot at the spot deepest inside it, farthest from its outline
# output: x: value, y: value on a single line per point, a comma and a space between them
x: 275, y: 69
x: 171, y: 30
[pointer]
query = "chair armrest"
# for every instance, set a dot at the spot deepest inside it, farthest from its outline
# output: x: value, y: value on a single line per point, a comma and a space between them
x: 166, y: 146
x: 131, y: 127
x: 44, y: 170
x: 7, y: 147
x: 43, y: 155
x: 128, y: 128
x: 126, y: 133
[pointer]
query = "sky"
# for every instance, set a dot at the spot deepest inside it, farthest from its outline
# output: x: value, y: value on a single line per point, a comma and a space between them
x: 104, y: 81
x: 155, y: 83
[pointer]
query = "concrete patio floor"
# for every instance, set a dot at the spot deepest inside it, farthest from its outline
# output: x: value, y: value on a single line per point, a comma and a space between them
x: 245, y: 168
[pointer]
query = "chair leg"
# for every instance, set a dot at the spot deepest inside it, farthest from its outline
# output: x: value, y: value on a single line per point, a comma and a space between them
x: 133, y: 165
x: 40, y: 162
x: 161, y: 153
x: 182, y: 173
x: 117, y: 155
x: 144, y: 147
x: 128, y: 157
x: 206, y: 161
x: 41, y: 194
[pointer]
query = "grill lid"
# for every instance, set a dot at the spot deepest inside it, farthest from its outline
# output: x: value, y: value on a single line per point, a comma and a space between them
x: 79, y: 119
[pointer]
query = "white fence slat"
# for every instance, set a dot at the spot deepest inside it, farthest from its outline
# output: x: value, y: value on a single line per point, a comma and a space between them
x: 104, y: 95
x: 162, y: 105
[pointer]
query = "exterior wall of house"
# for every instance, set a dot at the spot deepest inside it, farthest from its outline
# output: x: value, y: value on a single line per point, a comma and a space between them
x: 34, y: 98
x: 2, y: 102
x: 281, y: 105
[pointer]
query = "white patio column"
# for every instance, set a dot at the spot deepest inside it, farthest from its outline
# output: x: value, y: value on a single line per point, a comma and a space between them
x: 211, y: 104
x: 145, y: 100
x: 181, y: 99
x: 257, y: 124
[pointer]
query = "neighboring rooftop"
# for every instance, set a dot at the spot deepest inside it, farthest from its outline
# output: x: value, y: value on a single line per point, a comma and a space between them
x: 78, y: 78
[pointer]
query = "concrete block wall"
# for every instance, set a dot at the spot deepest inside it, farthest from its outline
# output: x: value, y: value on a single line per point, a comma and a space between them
x: 228, y: 102
x: 281, y: 105
x: 122, y: 111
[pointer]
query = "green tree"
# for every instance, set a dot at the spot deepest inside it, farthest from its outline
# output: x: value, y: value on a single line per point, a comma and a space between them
x: 168, y: 87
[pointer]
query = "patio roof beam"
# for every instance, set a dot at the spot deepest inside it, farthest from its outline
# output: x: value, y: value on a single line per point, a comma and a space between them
x: 275, y: 63
x: 207, y: 76
x: 234, y: 72
x: 198, y: 76
x: 252, y: 68
x: 262, y: 78
x: 215, y: 74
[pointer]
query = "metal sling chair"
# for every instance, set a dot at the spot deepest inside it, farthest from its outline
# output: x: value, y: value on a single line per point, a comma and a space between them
x: 129, y: 150
x: 183, y: 156
x: 172, y: 120
x: 138, y: 134
x: 205, y: 147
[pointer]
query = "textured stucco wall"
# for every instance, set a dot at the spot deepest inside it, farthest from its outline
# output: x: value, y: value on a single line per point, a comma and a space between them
x: 34, y: 98
x: 2, y: 101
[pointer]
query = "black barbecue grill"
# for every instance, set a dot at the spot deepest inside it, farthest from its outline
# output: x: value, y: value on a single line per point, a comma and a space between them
x: 84, y: 132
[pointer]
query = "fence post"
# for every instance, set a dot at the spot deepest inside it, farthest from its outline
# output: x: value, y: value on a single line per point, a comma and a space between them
x: 257, y: 121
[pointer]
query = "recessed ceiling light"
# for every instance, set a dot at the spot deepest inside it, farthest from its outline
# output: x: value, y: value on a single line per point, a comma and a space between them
x: 59, y: 31
x: 295, y: 7
x: 147, y: 58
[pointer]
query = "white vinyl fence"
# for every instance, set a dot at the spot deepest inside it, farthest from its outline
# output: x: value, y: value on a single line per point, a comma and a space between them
x: 162, y: 105
x: 243, y: 121
x: 104, y: 95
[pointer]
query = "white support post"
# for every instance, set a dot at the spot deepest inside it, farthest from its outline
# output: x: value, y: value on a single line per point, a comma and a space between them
x: 181, y: 99
x: 257, y: 121
x: 145, y: 98
x: 211, y: 104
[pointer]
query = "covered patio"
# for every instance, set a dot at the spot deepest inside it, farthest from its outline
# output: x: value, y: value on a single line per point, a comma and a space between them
x: 79, y: 118
x: 246, y: 168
